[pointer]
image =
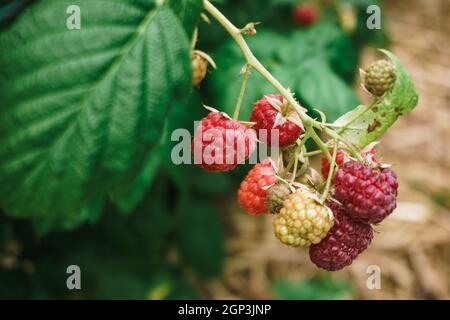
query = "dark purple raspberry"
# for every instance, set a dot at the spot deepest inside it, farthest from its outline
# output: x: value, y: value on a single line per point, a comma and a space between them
x: 368, y: 195
x: 343, y: 243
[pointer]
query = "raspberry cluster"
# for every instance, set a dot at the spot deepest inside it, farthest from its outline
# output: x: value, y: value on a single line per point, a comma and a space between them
x: 367, y: 195
x: 336, y: 229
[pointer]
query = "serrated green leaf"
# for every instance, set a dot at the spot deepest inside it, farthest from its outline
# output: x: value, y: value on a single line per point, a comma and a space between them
x: 82, y: 108
x: 367, y: 125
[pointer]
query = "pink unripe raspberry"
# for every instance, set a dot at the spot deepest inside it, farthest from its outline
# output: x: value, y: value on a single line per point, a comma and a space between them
x: 220, y: 143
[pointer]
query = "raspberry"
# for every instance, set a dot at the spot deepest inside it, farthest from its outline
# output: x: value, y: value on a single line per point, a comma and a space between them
x: 345, y: 241
x: 340, y: 158
x: 302, y: 221
x: 305, y: 15
x: 367, y: 195
x: 265, y: 115
x: 276, y: 196
x: 220, y: 143
x: 379, y: 77
x: 199, y: 67
x: 252, y: 194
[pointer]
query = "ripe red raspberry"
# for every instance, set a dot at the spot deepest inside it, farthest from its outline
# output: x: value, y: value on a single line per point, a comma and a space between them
x: 305, y: 15
x: 265, y: 115
x: 220, y: 143
x: 340, y: 158
x: 368, y: 195
x: 252, y: 193
x: 343, y: 243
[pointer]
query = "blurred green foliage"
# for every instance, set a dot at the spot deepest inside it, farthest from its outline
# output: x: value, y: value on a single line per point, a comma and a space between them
x: 140, y: 238
x: 322, y: 287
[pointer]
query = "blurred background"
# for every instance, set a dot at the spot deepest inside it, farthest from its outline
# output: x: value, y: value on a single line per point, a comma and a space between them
x: 180, y: 233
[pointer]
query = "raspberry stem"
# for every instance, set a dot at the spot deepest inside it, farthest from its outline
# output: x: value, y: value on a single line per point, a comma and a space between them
x: 252, y: 61
x: 245, y: 74
x: 194, y: 39
x: 319, y: 142
x: 236, y: 34
x: 338, y: 137
x: 303, y: 140
x: 312, y: 153
x: 330, y: 173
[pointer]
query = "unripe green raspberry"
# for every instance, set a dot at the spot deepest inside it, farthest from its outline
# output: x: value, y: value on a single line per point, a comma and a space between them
x: 379, y: 77
x: 302, y: 221
x: 276, y: 196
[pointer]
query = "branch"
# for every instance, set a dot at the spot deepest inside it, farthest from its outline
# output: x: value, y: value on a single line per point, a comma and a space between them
x: 254, y: 62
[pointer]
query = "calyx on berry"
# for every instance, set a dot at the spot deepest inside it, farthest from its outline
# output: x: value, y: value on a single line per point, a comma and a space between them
x: 273, y: 112
x: 199, y: 64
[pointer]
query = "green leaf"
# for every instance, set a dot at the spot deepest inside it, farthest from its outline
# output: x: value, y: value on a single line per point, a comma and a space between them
x: 90, y: 212
x: 366, y: 125
x: 314, y: 289
x: 81, y: 109
x: 188, y: 11
x: 321, y: 88
x: 137, y: 190
x: 200, y: 237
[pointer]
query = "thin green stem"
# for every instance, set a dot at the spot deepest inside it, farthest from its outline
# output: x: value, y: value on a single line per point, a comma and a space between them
x: 194, y: 39
x: 319, y: 142
x: 312, y: 153
x: 338, y: 137
x: 330, y: 173
x: 297, y: 150
x: 245, y: 75
x: 255, y: 63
